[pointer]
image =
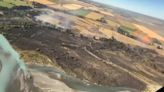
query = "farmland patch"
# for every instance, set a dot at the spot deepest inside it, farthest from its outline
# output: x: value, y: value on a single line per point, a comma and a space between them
x: 72, y: 6
x: 12, y: 3
x: 80, y: 12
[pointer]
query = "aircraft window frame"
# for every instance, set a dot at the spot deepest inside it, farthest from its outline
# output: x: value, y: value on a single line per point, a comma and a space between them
x: 0, y: 66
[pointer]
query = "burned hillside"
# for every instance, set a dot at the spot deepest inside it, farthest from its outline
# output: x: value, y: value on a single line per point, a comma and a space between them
x: 102, y: 61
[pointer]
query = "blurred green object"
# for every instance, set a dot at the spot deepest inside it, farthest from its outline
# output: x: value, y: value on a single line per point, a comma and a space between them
x: 11, y: 64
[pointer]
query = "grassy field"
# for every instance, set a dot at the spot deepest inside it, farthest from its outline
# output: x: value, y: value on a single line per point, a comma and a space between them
x: 112, y: 23
x: 121, y: 38
x: 72, y: 6
x: 62, y: 1
x: 33, y: 57
x: 127, y: 29
x: 149, y: 32
x: 95, y: 16
x: 12, y: 3
x: 127, y: 24
x: 80, y: 12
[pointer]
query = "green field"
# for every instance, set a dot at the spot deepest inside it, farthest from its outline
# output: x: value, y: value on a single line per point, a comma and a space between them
x: 62, y: 1
x: 12, y: 3
x: 127, y: 24
x: 80, y: 12
x: 126, y: 29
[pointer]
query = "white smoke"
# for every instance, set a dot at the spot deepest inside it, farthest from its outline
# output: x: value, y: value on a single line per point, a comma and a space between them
x: 55, y: 18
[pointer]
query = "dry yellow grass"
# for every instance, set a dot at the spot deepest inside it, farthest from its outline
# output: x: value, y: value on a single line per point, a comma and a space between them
x: 112, y: 23
x: 149, y: 32
x: 107, y: 13
x: 72, y: 6
x: 47, y: 2
x: 86, y: 32
x: 94, y: 16
x: 94, y: 8
x: 121, y: 37
x: 84, y: 26
x: 107, y: 32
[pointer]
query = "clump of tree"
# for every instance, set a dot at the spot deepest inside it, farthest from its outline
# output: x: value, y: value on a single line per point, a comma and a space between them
x: 125, y: 31
x: 156, y: 41
x: 102, y: 20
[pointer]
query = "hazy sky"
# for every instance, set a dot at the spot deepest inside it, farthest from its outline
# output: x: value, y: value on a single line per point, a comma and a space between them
x: 153, y: 8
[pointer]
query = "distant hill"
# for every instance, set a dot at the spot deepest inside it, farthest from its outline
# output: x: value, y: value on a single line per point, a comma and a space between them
x: 150, y: 22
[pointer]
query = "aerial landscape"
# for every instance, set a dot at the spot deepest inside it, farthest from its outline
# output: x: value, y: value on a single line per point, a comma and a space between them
x: 79, y: 46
